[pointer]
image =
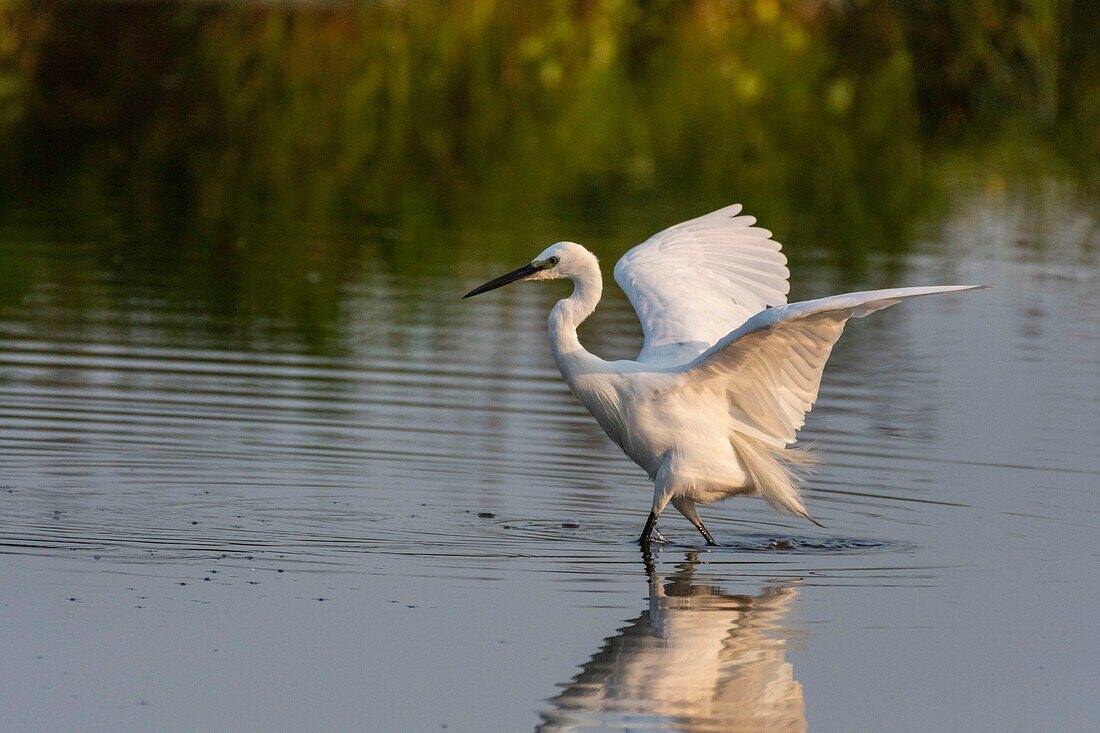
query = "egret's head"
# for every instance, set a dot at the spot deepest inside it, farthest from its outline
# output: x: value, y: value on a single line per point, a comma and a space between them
x: 564, y: 259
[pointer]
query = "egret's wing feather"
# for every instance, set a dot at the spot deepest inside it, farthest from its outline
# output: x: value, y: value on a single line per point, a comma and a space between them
x: 693, y: 283
x: 770, y: 368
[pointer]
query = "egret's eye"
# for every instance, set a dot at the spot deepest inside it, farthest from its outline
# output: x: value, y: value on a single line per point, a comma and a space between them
x: 553, y: 260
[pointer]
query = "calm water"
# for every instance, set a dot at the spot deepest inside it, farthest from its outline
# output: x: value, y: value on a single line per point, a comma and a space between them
x: 379, y: 508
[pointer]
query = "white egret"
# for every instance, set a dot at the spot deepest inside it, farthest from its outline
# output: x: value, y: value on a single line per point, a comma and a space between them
x: 728, y: 368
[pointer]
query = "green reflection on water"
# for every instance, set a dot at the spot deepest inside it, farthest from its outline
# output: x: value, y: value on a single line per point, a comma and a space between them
x: 262, y: 158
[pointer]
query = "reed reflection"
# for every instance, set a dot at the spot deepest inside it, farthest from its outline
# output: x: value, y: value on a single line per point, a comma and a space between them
x: 698, y: 659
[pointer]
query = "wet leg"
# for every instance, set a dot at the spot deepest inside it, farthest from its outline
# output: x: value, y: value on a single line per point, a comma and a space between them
x: 706, y: 534
x: 650, y: 523
x: 651, y: 532
x: 662, y: 493
x: 686, y: 507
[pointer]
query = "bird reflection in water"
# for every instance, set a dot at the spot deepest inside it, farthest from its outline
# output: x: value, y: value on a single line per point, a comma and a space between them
x: 697, y: 660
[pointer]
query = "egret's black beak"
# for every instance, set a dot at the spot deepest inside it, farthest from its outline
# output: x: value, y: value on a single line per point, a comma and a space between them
x: 503, y: 280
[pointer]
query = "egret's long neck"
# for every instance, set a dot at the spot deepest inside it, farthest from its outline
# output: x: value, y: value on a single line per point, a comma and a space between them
x: 570, y: 312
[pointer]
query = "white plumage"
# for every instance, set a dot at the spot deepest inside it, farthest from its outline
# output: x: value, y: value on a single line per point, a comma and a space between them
x: 692, y: 283
x: 728, y: 369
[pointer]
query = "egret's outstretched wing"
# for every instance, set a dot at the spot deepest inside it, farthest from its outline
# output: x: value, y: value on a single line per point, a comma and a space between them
x: 693, y: 283
x: 770, y: 368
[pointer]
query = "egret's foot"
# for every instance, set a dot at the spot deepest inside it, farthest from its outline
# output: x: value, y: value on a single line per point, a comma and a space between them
x: 658, y: 536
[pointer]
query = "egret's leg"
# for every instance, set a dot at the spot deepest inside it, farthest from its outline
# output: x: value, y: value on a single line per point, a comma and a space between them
x: 686, y: 507
x: 650, y: 529
x: 651, y: 532
x: 706, y: 534
x: 661, y: 495
x: 650, y: 523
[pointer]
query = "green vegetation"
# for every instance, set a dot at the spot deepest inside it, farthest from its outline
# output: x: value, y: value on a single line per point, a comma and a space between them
x: 235, y: 131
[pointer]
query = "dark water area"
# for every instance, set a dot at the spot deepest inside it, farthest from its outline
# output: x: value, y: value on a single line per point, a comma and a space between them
x: 261, y: 468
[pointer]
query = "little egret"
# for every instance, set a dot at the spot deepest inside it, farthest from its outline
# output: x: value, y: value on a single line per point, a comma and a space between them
x: 728, y: 369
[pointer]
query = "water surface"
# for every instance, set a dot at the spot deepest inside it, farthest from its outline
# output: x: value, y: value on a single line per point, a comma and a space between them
x: 390, y: 513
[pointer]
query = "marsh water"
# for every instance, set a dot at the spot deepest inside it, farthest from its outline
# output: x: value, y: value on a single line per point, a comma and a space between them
x: 210, y: 522
x: 262, y: 469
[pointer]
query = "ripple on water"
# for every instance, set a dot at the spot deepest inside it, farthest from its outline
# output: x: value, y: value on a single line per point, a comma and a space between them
x: 796, y: 545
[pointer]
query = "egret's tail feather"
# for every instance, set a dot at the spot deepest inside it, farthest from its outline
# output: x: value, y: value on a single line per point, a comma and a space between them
x: 777, y: 472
